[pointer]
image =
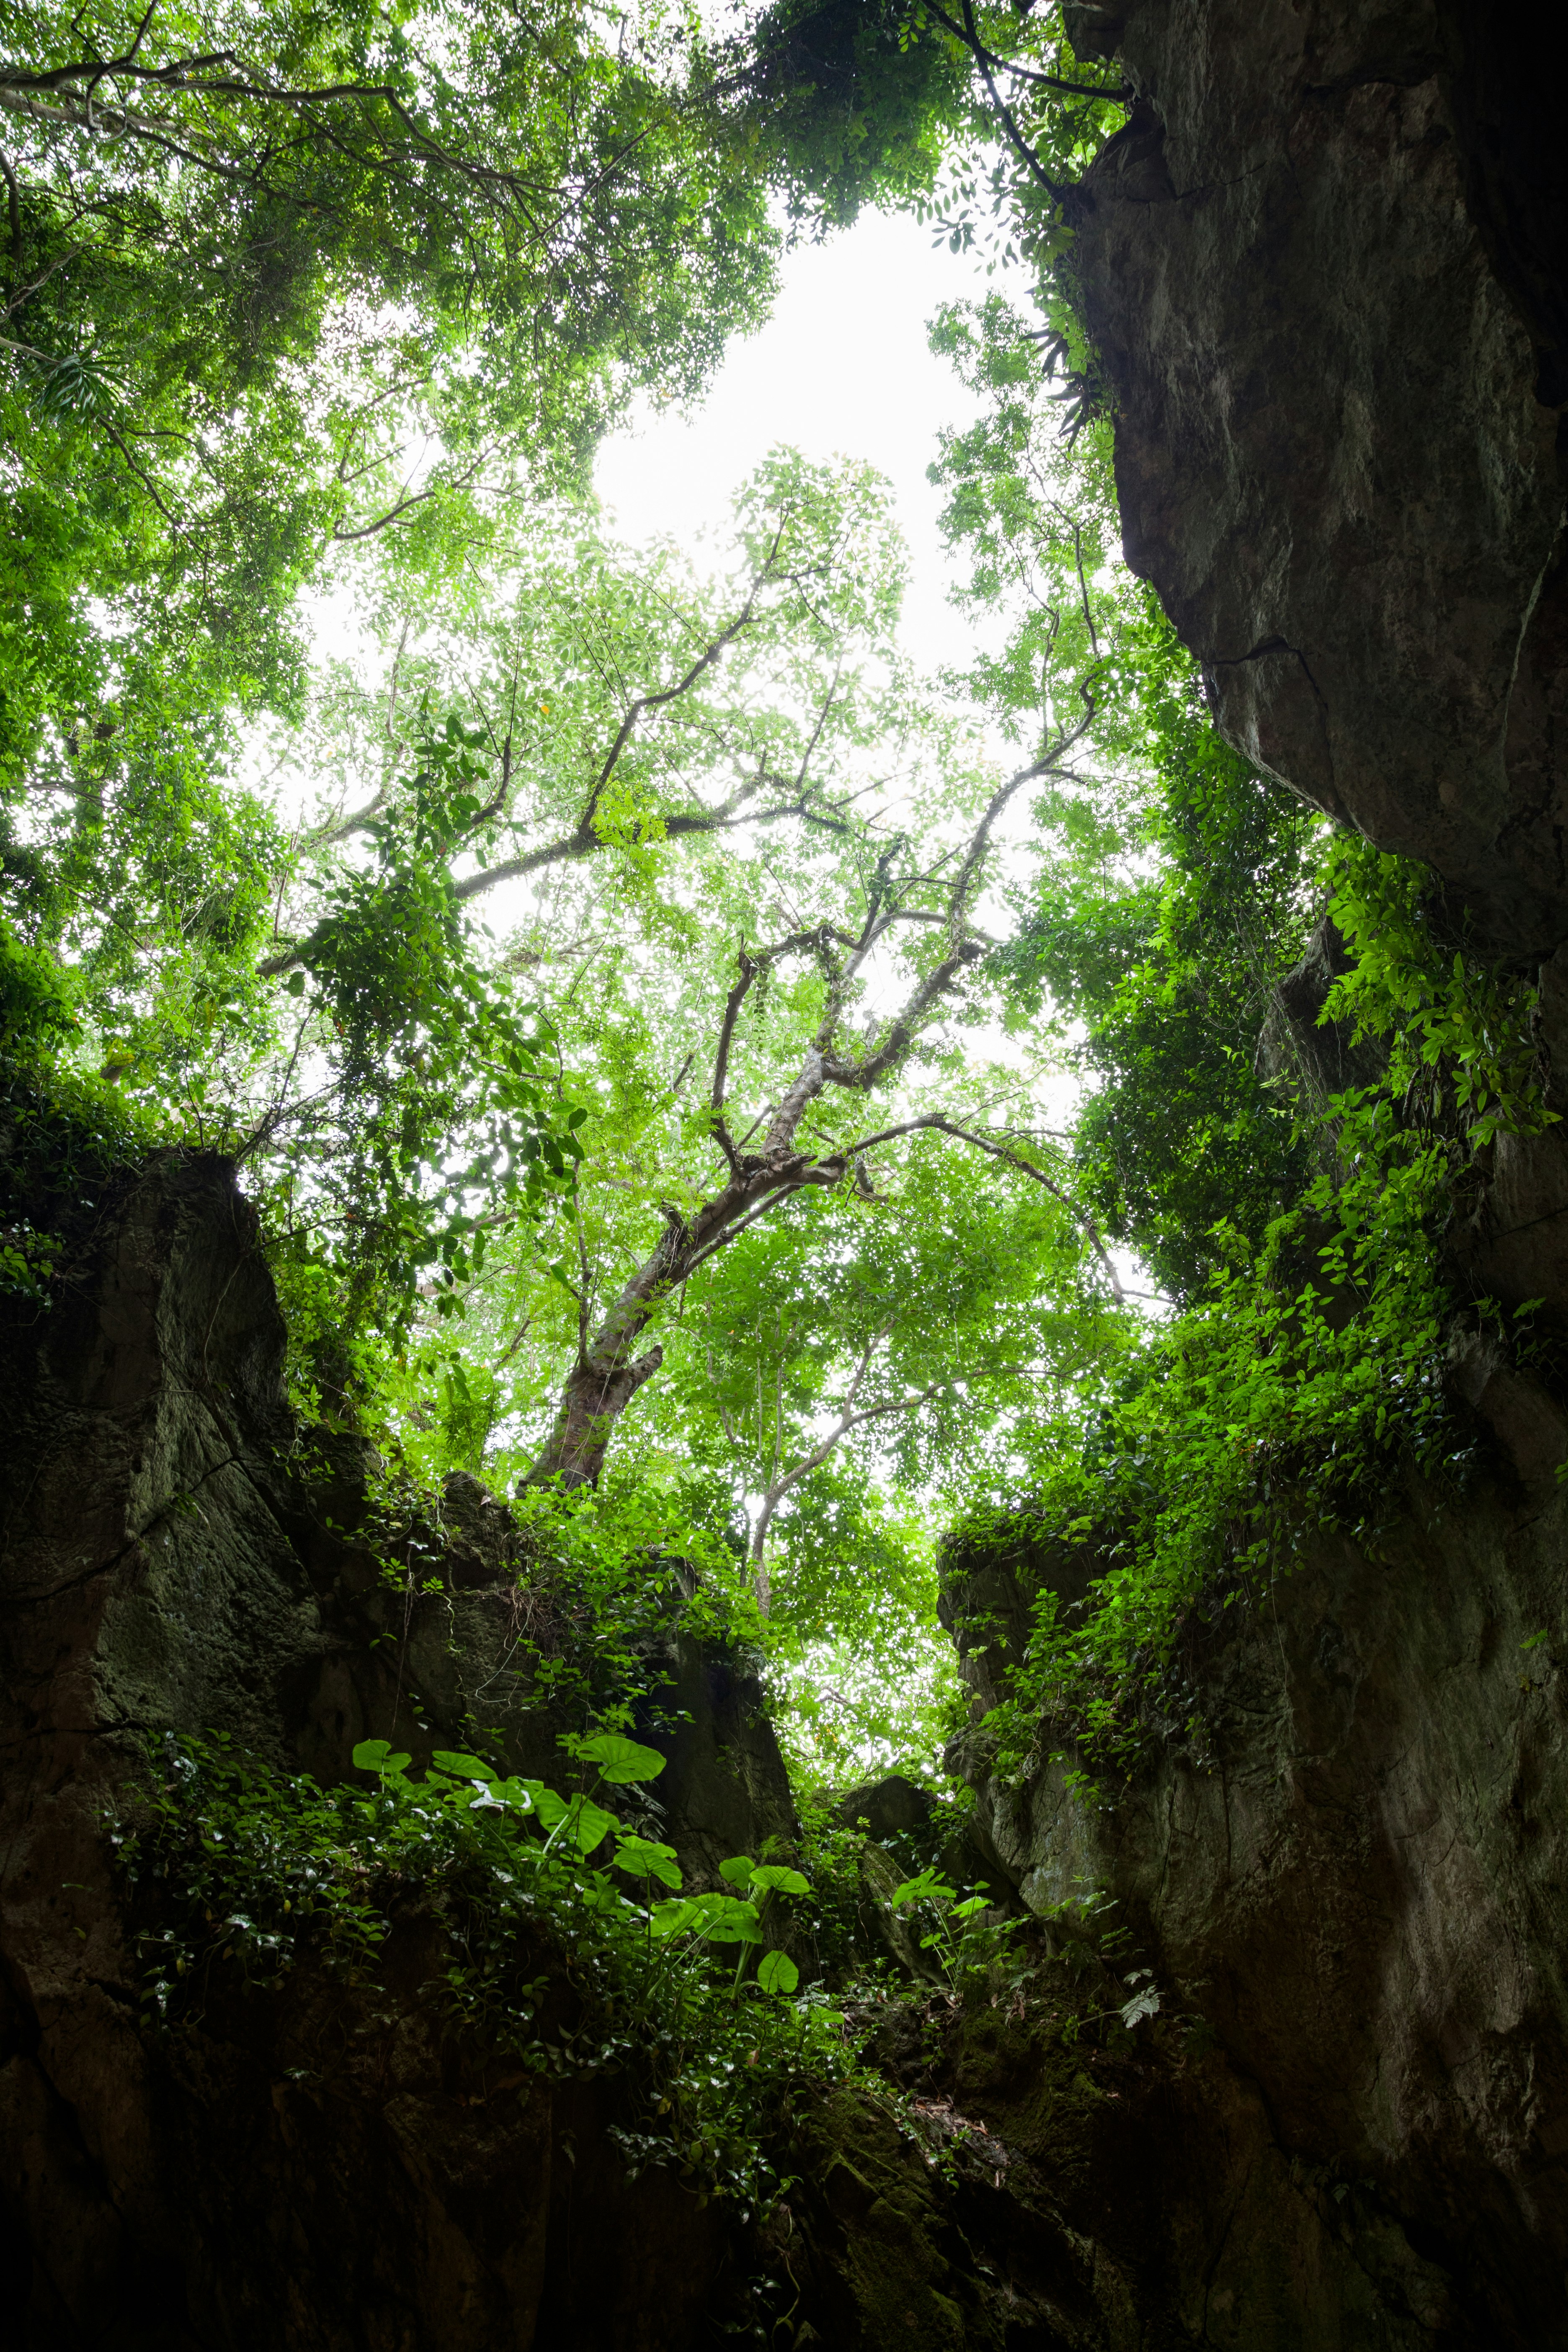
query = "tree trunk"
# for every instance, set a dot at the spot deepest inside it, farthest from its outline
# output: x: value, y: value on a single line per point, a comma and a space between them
x: 607, y: 1375
x: 592, y: 1401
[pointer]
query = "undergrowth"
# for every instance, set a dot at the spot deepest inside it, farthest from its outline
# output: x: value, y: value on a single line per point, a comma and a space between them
x: 1292, y: 1397
x: 566, y: 1944
x: 566, y: 1941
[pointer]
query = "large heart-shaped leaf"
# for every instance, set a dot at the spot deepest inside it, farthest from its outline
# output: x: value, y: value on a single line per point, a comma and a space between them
x: 782, y: 1880
x: 620, y: 1761
x: 776, y: 1972
x: 722, y: 1918
x: 550, y: 1807
x: 726, y: 1919
x: 646, y: 1858
x: 590, y: 1824
x: 673, y: 1919
x: 460, y: 1766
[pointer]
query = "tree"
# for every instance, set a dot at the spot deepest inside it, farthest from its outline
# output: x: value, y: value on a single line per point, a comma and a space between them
x: 625, y: 701
x: 251, y: 248
x: 327, y: 1007
x: 287, y: 296
x: 755, y: 1183
x: 912, y: 97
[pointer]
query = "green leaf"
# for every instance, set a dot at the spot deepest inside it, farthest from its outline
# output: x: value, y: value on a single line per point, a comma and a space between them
x: 782, y: 1880
x: 513, y: 1794
x: 460, y: 1766
x: 620, y: 1761
x: 590, y: 1825
x: 721, y: 1918
x: 737, y: 1870
x: 726, y: 1919
x: 643, y: 1857
x: 776, y: 1972
x: 550, y: 1808
x: 376, y: 1755
x: 927, y: 1888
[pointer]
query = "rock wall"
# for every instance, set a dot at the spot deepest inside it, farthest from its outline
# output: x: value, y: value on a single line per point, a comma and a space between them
x: 1323, y: 269
x: 298, y: 2171
x: 1358, y: 1874
x: 314, y: 2168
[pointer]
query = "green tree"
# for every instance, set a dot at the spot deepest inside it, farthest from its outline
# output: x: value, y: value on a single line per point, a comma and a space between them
x: 1174, y: 884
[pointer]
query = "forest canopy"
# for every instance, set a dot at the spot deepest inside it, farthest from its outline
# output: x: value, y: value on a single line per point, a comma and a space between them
x: 742, y: 1099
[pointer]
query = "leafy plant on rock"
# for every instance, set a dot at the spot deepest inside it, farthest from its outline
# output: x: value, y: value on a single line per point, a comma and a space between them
x: 564, y: 1944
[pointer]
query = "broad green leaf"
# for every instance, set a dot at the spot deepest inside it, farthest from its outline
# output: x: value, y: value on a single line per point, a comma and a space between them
x: 376, y: 1755
x: 645, y: 1858
x: 776, y: 1972
x: 673, y: 1919
x: 513, y: 1794
x: 460, y: 1766
x: 781, y: 1879
x: 722, y: 1918
x: 737, y: 1870
x: 727, y: 1919
x: 590, y: 1825
x: 620, y: 1761
x: 550, y: 1807
x: 927, y: 1888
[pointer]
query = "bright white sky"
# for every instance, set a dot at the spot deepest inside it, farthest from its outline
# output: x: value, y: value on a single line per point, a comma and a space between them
x: 841, y: 369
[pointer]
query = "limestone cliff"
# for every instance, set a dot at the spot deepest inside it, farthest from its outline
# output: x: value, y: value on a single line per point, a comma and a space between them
x: 1357, y: 1872
x: 1323, y: 273
x: 1323, y: 269
x: 306, y: 2166
x: 312, y: 2169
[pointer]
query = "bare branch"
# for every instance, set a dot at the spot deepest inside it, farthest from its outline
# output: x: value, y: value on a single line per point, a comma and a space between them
x: 963, y: 946
x: 704, y: 662
x: 1000, y: 106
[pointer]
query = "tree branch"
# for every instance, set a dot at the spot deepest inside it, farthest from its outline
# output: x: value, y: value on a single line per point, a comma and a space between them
x: 14, y: 207
x: 1000, y: 106
x: 934, y: 1122
x: 978, y: 50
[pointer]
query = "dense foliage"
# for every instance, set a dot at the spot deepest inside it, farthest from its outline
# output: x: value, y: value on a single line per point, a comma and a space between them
x: 563, y: 1966
x: 753, y: 1105
x: 1294, y: 1055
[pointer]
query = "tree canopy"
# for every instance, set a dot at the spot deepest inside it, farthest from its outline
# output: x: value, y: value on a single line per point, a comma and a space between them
x: 740, y: 1097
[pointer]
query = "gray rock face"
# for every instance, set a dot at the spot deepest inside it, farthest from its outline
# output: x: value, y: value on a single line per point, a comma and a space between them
x: 1361, y: 1879
x: 1320, y: 270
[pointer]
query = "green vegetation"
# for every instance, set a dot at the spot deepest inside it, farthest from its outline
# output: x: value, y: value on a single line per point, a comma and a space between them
x: 754, y: 1106
x: 546, y: 1959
